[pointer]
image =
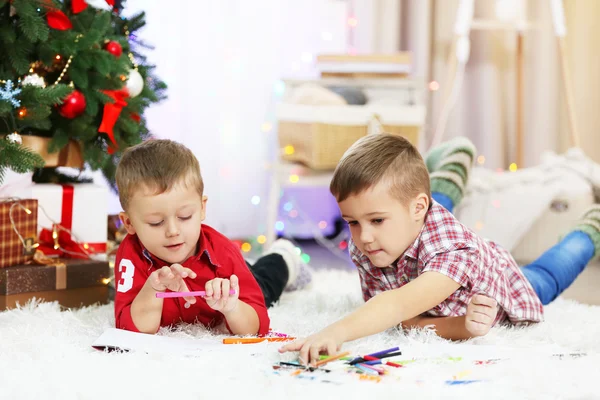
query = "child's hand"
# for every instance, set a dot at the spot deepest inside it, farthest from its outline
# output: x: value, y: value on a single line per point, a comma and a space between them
x: 481, y: 313
x: 217, y: 294
x: 312, y: 346
x: 172, y: 278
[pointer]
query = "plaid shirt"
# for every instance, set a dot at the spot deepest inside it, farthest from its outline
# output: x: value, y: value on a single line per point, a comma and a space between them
x: 450, y: 248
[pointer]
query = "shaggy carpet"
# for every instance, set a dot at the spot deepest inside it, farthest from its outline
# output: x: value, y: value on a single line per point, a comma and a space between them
x: 47, y: 353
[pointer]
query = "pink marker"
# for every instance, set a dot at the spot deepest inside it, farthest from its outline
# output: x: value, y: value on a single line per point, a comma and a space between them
x: 169, y: 295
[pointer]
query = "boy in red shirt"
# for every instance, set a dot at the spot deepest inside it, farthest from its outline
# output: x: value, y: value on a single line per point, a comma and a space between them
x: 169, y: 249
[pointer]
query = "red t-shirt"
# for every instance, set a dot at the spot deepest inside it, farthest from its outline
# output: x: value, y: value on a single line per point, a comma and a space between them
x: 217, y: 257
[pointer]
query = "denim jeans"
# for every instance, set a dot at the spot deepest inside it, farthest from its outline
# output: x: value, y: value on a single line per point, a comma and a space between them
x: 557, y: 268
x: 443, y: 200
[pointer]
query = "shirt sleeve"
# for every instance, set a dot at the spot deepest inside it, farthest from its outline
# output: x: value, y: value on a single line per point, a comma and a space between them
x: 458, y: 265
x: 131, y: 274
x: 250, y: 292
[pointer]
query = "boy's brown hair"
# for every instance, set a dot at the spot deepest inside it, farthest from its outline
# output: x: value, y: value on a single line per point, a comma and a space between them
x: 157, y: 164
x: 381, y: 156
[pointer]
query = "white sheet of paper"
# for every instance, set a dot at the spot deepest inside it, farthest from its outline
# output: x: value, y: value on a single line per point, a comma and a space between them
x: 121, y: 339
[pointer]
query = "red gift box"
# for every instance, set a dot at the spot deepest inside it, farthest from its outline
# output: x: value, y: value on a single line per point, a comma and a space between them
x: 18, y: 231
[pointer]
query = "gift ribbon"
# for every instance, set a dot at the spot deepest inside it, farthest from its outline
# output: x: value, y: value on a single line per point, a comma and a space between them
x: 59, y: 240
x: 67, y: 247
x: 61, y: 276
x: 60, y: 267
x: 111, y: 115
x: 66, y: 216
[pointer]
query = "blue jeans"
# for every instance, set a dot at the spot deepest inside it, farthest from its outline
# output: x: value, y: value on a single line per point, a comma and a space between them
x: 443, y: 200
x: 556, y: 269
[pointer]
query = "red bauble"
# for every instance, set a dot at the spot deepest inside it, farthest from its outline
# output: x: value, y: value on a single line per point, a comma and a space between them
x: 114, y: 48
x: 73, y: 105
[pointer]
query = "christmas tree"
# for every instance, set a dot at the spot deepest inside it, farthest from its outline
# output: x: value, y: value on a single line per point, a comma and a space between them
x: 71, y: 72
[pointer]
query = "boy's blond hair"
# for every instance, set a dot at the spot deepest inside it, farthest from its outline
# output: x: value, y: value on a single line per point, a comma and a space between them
x: 157, y: 164
x: 374, y: 158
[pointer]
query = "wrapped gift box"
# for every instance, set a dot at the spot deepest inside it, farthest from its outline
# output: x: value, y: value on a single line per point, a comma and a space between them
x: 70, y: 298
x: 81, y: 208
x: 18, y: 217
x: 72, y: 283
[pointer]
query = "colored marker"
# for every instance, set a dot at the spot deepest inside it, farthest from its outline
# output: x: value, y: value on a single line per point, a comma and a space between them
x: 393, y: 364
x: 367, y: 370
x: 359, y: 360
x: 378, y: 370
x: 462, y: 382
x: 332, y: 358
x: 380, y: 354
x: 234, y: 340
x: 169, y: 295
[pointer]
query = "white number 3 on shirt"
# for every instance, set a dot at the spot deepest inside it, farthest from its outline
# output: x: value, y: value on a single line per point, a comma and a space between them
x: 126, y: 269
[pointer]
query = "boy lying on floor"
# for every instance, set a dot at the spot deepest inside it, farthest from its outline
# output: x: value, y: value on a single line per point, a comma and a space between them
x: 418, y: 265
x: 168, y: 248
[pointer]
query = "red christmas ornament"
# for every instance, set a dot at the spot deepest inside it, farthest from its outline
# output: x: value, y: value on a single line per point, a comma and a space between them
x: 136, y: 117
x: 58, y: 20
x: 73, y: 105
x: 114, y: 48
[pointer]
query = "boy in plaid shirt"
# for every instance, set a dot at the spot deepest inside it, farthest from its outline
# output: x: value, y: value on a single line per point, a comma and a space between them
x: 418, y: 265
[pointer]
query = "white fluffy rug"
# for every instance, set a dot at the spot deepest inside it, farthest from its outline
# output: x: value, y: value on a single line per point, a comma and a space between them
x: 46, y: 353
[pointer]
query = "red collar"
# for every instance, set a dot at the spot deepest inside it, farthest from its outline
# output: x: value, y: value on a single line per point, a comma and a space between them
x: 204, y: 248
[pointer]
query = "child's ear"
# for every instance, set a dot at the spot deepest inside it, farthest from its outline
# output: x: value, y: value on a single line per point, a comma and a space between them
x: 420, y: 206
x: 204, y: 200
x: 127, y: 223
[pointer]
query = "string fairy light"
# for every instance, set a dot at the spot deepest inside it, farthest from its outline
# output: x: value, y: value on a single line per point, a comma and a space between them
x: 129, y: 54
x: 56, y: 228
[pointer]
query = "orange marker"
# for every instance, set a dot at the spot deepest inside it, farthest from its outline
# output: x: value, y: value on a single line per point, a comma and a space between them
x: 332, y: 358
x: 234, y: 340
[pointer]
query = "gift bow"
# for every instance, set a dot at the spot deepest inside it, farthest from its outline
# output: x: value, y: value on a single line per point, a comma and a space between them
x: 111, y: 115
x: 59, y: 241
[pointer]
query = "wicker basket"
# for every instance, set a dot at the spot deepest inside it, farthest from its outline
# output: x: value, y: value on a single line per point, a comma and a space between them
x: 319, y: 136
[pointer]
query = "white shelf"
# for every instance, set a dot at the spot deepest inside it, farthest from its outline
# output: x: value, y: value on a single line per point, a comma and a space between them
x: 394, y: 83
x: 307, y: 177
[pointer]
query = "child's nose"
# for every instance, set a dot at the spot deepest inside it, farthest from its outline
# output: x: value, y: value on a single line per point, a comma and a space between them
x: 366, y: 236
x: 172, y: 229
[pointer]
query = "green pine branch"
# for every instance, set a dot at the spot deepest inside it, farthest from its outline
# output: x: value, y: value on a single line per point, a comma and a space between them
x: 60, y: 139
x: 18, y: 158
x: 6, y: 108
x: 50, y: 95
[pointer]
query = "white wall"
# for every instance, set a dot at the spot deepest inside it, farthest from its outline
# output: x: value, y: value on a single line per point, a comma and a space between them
x: 222, y: 61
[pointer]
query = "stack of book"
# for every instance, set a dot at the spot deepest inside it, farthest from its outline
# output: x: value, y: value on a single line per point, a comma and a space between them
x: 396, y: 65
